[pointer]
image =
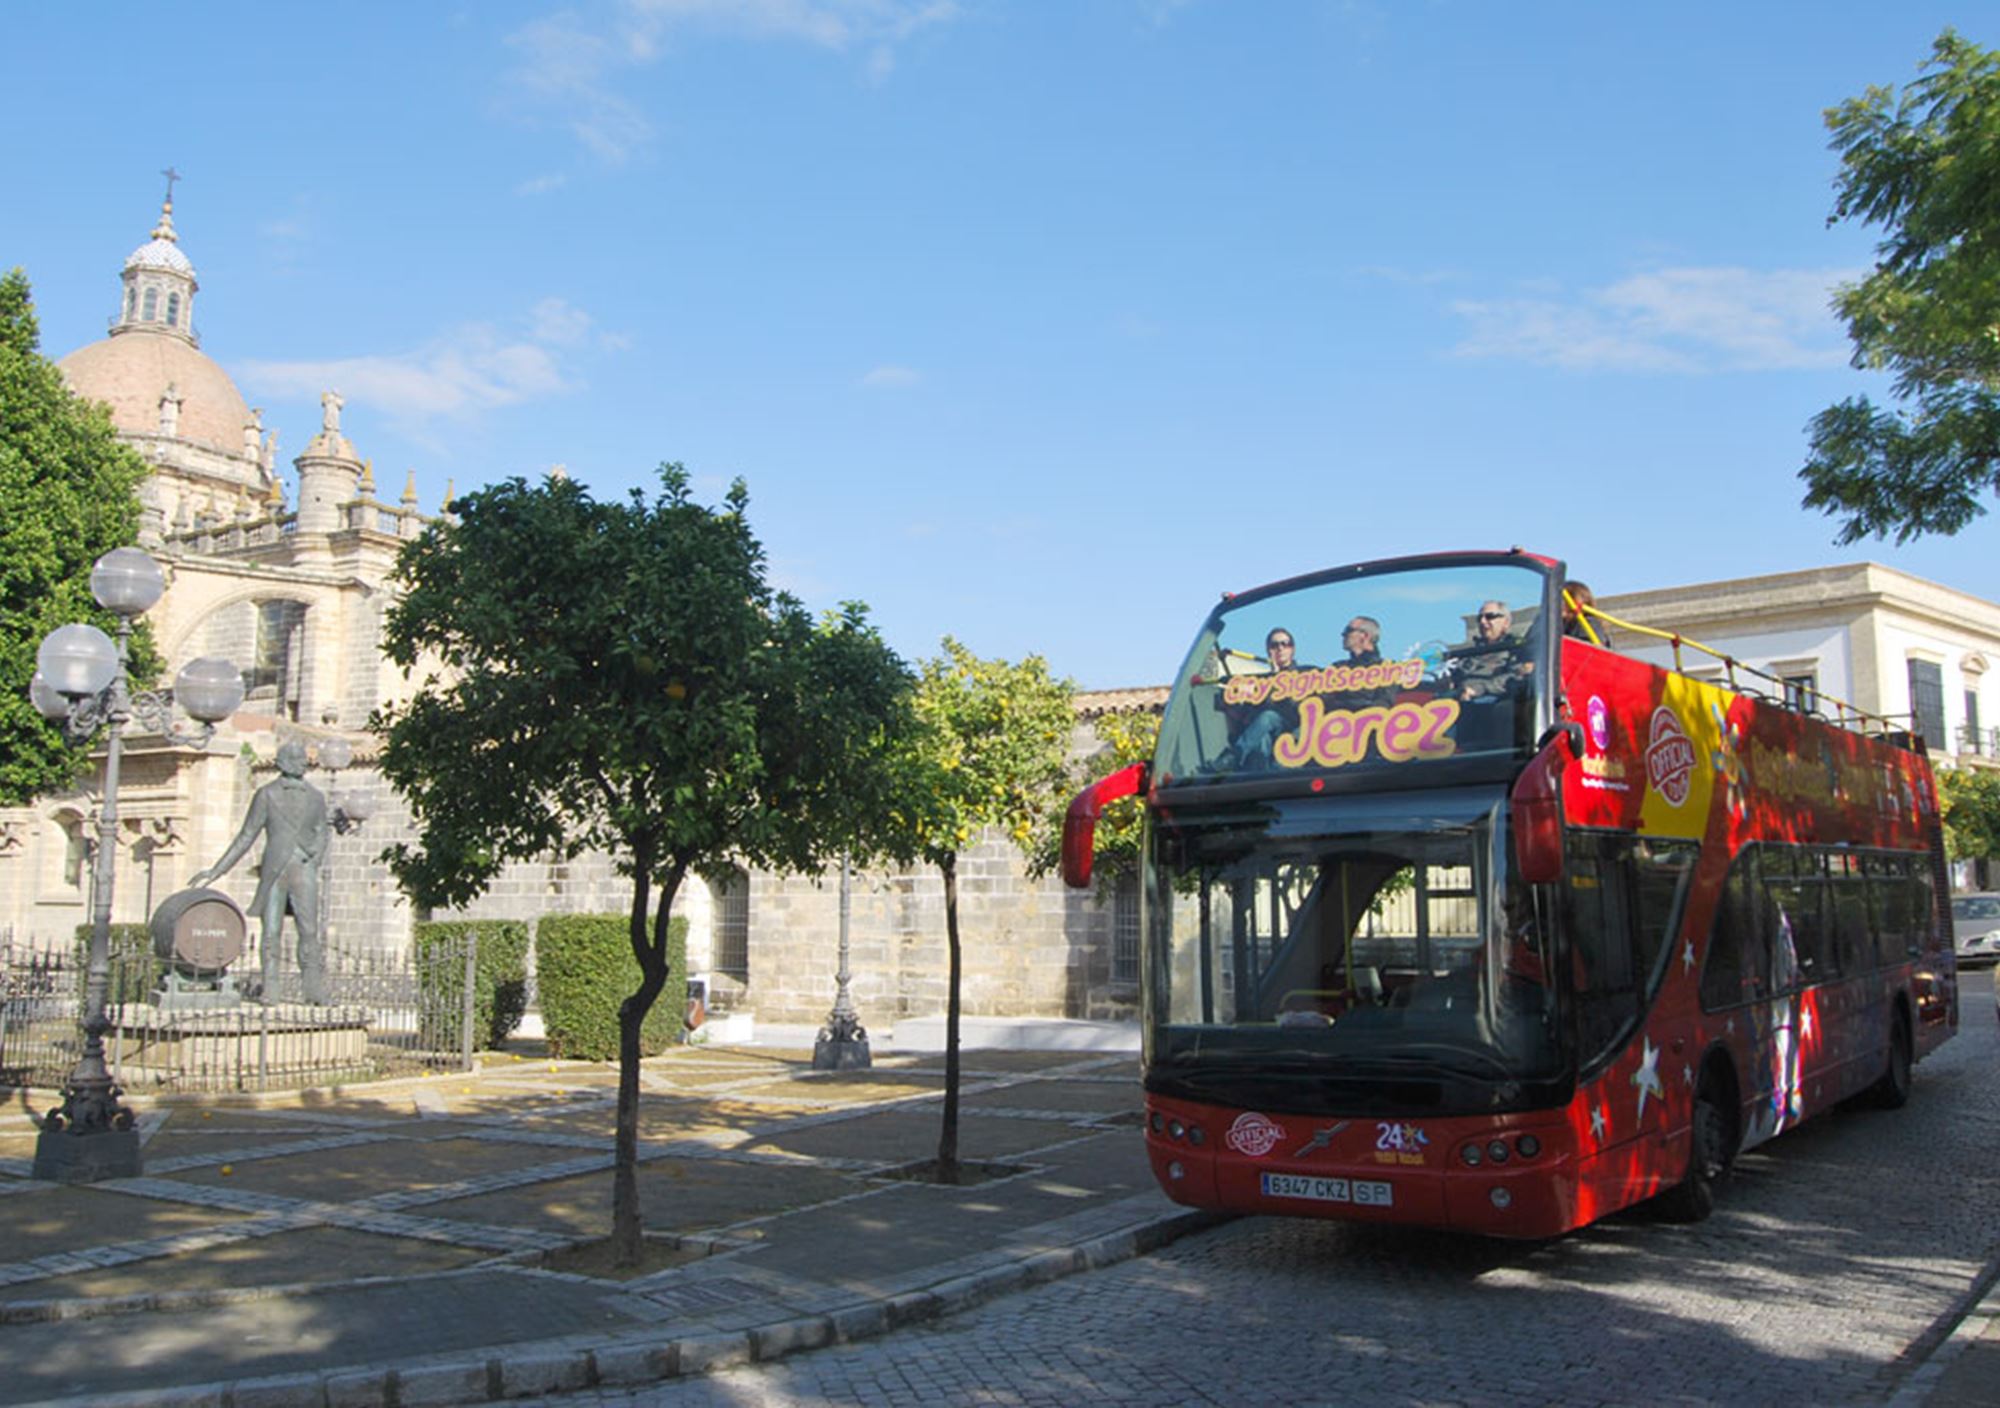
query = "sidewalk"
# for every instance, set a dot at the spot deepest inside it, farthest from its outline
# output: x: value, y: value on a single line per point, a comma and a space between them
x: 391, y: 1243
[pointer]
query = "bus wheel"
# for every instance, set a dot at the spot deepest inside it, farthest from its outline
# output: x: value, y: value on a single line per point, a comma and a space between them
x: 1709, y: 1148
x: 1892, y: 1091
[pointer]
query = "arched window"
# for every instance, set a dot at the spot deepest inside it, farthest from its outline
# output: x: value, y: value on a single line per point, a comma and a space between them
x: 173, y: 310
x: 149, y: 308
x: 131, y: 300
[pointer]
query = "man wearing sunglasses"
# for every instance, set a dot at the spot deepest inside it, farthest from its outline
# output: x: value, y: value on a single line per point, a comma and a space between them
x: 1489, y: 666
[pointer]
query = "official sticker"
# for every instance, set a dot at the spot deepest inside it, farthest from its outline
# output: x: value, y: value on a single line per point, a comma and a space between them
x: 1253, y: 1134
x: 1669, y: 757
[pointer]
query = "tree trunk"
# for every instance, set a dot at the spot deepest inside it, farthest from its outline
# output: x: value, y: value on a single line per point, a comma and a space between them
x: 627, y: 1229
x: 947, y: 1156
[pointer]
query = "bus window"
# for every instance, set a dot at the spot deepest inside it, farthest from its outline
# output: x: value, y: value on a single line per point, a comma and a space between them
x: 1852, y: 937
x: 1739, y: 946
x: 1793, y: 882
x: 1624, y: 893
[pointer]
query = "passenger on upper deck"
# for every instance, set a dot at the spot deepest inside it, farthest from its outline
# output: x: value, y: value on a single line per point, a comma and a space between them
x: 1362, y: 638
x: 1489, y: 666
x: 1256, y: 727
x: 1575, y: 596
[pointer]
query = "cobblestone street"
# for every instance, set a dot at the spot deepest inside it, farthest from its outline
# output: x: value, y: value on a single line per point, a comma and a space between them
x: 1842, y: 1251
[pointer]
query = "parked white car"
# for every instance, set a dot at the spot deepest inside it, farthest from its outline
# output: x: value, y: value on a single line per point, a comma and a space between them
x: 1975, y: 927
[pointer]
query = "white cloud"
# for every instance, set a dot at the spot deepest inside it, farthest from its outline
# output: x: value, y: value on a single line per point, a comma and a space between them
x: 541, y: 185
x: 558, y: 321
x: 1668, y: 320
x: 572, y: 68
x: 469, y: 370
x: 891, y: 377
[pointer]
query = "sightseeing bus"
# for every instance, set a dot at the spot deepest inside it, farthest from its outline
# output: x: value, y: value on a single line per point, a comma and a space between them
x: 1452, y: 917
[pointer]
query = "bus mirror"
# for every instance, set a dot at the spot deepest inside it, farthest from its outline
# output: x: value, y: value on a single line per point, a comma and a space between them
x: 1079, y: 843
x: 1537, y: 812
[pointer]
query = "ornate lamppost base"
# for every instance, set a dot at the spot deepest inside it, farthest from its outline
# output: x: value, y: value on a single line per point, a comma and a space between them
x: 65, y: 1156
x: 842, y: 1046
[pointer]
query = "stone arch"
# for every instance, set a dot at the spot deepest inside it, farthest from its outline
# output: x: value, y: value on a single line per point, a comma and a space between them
x: 265, y: 634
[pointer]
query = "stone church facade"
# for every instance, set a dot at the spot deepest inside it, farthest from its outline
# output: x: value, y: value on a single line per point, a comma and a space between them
x: 286, y: 575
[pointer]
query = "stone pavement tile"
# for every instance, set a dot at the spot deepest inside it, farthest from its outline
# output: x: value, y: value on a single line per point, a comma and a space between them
x: 1017, y: 1062
x: 364, y: 1170
x: 172, y: 1143
x: 660, y: 1117
x: 902, y: 1136
x: 1083, y: 1097
x: 310, y: 1255
x: 1972, y: 1377
x: 372, y: 1325
x: 1114, y: 1163
x: 675, y: 1195
x: 51, y: 1219
x: 867, y: 1244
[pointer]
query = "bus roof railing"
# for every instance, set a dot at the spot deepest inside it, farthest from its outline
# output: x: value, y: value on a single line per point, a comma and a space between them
x: 1847, y: 715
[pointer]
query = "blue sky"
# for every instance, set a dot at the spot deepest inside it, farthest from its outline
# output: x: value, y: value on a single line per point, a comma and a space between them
x: 1035, y: 323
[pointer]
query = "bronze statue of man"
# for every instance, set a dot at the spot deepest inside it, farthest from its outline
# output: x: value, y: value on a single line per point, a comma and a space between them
x: 290, y: 814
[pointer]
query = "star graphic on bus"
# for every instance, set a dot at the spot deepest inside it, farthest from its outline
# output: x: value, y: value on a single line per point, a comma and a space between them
x: 1687, y: 957
x: 1599, y: 1126
x: 1806, y: 1023
x: 1687, y: 1076
x: 1647, y: 1077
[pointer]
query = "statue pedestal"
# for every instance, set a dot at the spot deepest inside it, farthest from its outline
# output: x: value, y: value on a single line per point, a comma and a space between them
x: 236, y: 1046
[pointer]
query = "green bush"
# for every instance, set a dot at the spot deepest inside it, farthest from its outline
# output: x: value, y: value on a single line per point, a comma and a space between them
x: 135, y: 972
x: 500, y: 974
x: 584, y: 969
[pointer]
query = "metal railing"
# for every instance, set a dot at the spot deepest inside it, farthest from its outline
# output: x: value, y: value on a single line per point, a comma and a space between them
x: 387, y: 1015
x: 1815, y: 701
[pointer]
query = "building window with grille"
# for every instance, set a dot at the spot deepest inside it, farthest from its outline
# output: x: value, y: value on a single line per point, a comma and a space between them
x: 1969, y: 740
x: 1927, y: 701
x: 729, y: 894
x: 1125, y: 930
x: 1802, y: 691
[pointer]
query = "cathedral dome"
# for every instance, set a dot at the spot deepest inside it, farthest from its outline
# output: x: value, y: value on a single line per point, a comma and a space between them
x: 131, y: 373
x: 160, y: 254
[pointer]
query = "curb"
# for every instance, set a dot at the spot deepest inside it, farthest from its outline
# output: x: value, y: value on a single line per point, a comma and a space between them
x: 566, y: 1366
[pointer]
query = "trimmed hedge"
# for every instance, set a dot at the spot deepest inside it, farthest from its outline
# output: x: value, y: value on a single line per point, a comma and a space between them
x: 584, y: 969
x: 135, y: 972
x: 500, y: 977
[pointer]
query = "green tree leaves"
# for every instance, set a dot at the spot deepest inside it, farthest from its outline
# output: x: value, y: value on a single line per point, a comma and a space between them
x: 67, y: 497
x: 1925, y: 165
x: 621, y: 677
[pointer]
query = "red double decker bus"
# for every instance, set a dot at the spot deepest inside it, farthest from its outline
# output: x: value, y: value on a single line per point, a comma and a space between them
x: 1449, y: 918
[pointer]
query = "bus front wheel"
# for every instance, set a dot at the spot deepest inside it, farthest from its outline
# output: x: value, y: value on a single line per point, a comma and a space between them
x: 1710, y: 1145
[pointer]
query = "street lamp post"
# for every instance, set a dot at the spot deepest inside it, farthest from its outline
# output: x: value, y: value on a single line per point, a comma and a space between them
x: 843, y: 1041
x: 81, y: 684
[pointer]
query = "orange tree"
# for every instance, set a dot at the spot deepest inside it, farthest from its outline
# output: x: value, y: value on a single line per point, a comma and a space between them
x: 621, y: 677
x: 988, y: 751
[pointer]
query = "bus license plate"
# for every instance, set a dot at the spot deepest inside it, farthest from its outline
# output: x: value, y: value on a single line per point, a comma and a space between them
x: 1360, y: 1191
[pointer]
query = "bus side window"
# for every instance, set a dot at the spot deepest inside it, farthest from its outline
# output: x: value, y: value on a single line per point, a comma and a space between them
x: 1848, y: 910
x: 1793, y: 882
x: 1739, y: 945
x: 1623, y: 897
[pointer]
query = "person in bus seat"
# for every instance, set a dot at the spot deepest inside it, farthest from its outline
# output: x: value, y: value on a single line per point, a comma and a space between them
x: 1254, y: 728
x: 1362, y: 640
x: 1575, y: 595
x: 1494, y: 661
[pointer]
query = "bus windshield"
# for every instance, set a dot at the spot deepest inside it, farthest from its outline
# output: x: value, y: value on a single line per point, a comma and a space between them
x: 1369, y: 669
x: 1380, y: 967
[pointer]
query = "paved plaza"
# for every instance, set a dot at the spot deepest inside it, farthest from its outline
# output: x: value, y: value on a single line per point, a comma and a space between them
x: 386, y: 1244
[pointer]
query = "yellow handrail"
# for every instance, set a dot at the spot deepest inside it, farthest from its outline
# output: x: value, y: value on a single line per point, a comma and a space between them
x: 1842, y: 709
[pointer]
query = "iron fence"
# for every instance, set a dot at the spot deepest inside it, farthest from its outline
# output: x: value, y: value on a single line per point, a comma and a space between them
x: 387, y: 1015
